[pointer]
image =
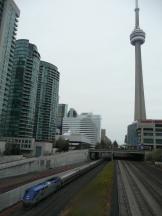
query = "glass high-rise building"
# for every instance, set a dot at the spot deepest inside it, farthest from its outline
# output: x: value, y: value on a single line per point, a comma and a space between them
x: 47, y: 102
x: 22, y: 100
x: 9, y: 14
x: 61, y: 113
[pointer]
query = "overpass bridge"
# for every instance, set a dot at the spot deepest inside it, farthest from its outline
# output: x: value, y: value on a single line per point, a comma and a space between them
x: 112, y: 154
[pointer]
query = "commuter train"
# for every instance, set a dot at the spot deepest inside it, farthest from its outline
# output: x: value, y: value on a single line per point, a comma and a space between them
x: 36, y: 193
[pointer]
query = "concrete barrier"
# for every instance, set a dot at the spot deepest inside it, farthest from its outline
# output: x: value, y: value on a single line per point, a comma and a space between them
x: 24, y: 166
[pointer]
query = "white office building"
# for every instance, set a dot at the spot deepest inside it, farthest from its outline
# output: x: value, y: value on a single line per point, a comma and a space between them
x: 85, y: 123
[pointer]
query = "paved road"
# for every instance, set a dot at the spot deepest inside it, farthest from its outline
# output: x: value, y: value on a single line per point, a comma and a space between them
x: 54, y: 204
x: 140, y: 189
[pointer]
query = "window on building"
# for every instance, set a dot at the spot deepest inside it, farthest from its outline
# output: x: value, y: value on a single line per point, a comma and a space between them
x: 158, y: 130
x: 148, y: 134
x: 158, y: 125
x: 148, y: 129
x: 148, y: 141
x: 158, y: 134
x: 159, y: 141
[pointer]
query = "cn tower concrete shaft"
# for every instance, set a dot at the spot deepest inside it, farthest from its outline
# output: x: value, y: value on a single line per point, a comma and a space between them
x: 137, y: 38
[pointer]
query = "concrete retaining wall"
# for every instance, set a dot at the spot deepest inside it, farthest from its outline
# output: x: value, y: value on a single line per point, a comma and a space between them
x: 42, y: 163
x: 10, y: 158
x: 2, y: 146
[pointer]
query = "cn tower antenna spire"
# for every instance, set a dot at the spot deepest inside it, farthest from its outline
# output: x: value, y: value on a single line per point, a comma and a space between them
x: 137, y: 14
x: 136, y: 3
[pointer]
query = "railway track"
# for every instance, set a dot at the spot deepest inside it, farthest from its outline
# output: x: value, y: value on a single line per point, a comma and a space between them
x: 55, y: 203
x: 10, y: 183
x: 139, y: 188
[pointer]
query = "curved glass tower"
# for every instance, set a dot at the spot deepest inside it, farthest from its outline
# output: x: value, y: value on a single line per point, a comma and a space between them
x: 137, y: 38
x: 47, y: 102
x: 22, y: 100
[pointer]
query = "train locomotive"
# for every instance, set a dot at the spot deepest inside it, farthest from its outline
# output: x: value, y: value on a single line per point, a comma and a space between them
x: 38, y: 192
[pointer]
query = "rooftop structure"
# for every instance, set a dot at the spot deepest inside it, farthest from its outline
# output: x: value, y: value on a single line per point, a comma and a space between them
x: 72, y: 113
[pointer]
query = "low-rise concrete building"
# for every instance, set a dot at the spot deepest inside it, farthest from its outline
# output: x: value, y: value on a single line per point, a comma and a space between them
x: 16, y: 145
x: 26, y: 146
x: 146, y: 133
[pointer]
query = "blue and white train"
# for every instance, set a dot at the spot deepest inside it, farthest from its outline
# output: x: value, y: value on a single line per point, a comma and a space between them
x: 40, y: 191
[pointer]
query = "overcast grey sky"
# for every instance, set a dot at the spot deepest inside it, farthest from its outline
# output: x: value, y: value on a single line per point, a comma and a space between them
x: 88, y: 40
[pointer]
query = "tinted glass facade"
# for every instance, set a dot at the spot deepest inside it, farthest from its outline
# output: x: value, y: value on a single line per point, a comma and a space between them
x: 22, y: 100
x: 47, y: 102
x: 61, y: 113
x: 9, y: 13
x: 1, y: 9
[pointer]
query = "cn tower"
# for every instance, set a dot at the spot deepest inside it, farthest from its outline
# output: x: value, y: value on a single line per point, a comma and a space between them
x: 137, y: 38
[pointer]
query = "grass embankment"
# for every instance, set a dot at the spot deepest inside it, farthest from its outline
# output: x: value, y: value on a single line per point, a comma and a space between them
x: 155, y: 155
x: 95, y: 198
